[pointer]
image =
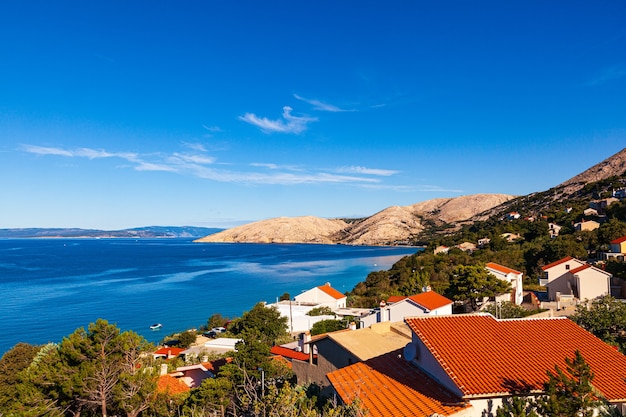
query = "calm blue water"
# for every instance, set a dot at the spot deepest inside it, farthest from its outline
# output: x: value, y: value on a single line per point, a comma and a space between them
x: 50, y: 287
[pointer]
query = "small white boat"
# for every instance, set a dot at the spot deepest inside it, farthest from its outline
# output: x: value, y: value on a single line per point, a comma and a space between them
x: 156, y: 326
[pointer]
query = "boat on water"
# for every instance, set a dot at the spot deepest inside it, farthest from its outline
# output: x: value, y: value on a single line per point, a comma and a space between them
x: 156, y: 326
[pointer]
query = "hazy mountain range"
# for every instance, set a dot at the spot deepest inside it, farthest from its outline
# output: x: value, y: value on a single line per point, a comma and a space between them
x: 139, y: 232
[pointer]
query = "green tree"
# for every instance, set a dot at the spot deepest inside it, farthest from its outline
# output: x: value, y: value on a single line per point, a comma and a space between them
x: 285, y: 297
x: 605, y: 317
x: 611, y: 230
x: 472, y: 283
x: 216, y: 320
x: 516, y: 406
x: 265, y: 323
x: 325, y: 326
x: 95, y: 369
x: 569, y: 393
x: 186, y: 339
x: 12, y: 363
x: 508, y: 310
x: 321, y: 311
x: 213, y: 396
x: 137, y: 384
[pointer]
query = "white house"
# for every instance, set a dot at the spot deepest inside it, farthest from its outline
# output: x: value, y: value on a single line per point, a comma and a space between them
x: 511, y: 276
x: 585, y: 283
x: 556, y: 269
x: 399, y: 307
x: 323, y: 296
x: 298, y: 320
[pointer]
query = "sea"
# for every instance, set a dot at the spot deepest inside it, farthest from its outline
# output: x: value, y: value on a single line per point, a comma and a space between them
x: 51, y: 287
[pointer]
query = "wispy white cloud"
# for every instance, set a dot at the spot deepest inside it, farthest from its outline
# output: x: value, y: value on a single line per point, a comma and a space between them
x: 290, y: 124
x: 608, y: 74
x: 276, y: 166
x: 193, y: 158
x: 44, y: 150
x: 202, y: 165
x: 212, y: 129
x: 319, y: 105
x: 367, y: 171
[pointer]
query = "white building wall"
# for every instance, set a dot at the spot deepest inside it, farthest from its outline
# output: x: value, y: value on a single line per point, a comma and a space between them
x: 592, y: 284
x: 317, y: 296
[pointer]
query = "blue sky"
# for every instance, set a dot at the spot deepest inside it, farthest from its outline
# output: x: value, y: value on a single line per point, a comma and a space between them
x: 123, y: 114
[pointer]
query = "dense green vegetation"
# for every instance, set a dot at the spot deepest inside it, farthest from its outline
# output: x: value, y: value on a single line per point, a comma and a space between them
x: 102, y: 371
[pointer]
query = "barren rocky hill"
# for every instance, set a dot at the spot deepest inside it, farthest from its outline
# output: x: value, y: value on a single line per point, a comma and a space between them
x: 610, y: 167
x: 307, y: 229
x: 393, y: 225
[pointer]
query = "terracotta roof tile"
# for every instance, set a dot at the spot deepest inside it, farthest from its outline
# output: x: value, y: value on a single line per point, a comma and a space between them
x: 431, y: 300
x: 484, y: 356
x: 389, y: 386
x: 169, y: 351
x: 289, y: 353
x: 332, y: 292
x: 502, y: 268
x: 171, y: 385
x: 555, y: 263
x: 396, y: 298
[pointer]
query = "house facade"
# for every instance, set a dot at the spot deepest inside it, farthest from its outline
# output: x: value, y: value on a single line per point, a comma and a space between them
x: 464, y: 365
x: 586, y: 225
x: 323, y: 296
x: 513, y: 277
x: 590, y: 282
x: 572, y: 278
x: 399, y: 307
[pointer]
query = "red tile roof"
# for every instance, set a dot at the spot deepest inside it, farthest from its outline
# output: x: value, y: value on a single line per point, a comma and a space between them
x: 580, y: 268
x: 396, y: 298
x: 430, y: 300
x: 619, y: 240
x: 484, y: 356
x: 559, y: 262
x: 171, y: 385
x: 169, y: 351
x: 332, y: 292
x: 389, y: 386
x: 289, y: 353
x: 502, y: 268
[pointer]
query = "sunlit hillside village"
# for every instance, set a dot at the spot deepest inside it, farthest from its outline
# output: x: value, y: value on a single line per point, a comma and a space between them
x: 553, y: 348
x: 427, y: 355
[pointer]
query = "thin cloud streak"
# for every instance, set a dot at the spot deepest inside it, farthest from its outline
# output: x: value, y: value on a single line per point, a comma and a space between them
x: 368, y: 171
x: 291, y: 124
x: 196, y: 165
x: 202, y: 166
x: 318, y: 105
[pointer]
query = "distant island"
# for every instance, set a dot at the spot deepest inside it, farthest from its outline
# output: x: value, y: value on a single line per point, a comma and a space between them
x: 147, y: 232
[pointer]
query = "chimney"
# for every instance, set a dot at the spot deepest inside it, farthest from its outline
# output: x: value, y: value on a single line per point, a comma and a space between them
x: 352, y: 326
x: 303, y: 341
x: 164, y: 369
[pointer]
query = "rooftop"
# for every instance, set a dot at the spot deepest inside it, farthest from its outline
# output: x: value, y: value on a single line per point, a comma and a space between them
x: 502, y: 268
x: 559, y: 262
x: 389, y: 386
x: 331, y: 291
x: 486, y: 356
x: 373, y: 341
